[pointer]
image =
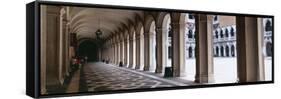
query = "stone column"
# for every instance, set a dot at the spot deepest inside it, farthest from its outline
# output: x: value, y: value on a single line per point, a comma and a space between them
x: 178, y: 43
x: 52, y: 47
x: 126, y: 51
x: 131, y: 49
x: 146, y: 52
x: 43, y: 45
x: 61, y: 46
x: 118, y: 50
x: 260, y: 49
x: 249, y: 54
x: 121, y: 50
x: 138, y: 50
x: 159, y: 50
x: 204, y: 49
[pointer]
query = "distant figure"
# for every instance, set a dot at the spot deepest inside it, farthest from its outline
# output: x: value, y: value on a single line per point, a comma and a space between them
x: 86, y: 59
x: 120, y: 64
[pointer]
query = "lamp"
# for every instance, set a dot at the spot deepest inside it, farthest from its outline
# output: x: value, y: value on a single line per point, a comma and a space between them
x: 98, y: 32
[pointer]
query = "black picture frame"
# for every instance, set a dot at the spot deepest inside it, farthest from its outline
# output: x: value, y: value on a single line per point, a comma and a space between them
x: 33, y: 48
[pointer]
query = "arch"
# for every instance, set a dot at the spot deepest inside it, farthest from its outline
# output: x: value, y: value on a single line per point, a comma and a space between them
x: 216, y: 18
x: 222, y: 51
x: 269, y: 49
x: 216, y: 34
x: 232, y: 31
x: 217, y: 51
x: 147, y: 24
x: 166, y: 35
x: 190, y: 33
x: 226, y: 32
x: 268, y: 25
x: 226, y: 51
x: 190, y: 16
x: 221, y: 33
x: 232, y: 50
x: 88, y: 48
x: 190, y: 52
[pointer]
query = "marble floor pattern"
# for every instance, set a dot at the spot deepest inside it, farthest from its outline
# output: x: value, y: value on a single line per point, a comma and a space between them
x: 104, y: 77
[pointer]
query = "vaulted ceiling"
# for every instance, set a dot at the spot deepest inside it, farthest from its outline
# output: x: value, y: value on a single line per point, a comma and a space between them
x: 86, y: 21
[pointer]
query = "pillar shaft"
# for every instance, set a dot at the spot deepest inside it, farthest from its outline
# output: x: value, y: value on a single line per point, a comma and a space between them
x: 178, y: 51
x: 121, y: 51
x: 138, y: 57
x: 126, y: 52
x: 249, y: 54
x: 43, y: 49
x: 146, y: 52
x: 204, y: 49
x: 131, y: 49
x: 159, y: 50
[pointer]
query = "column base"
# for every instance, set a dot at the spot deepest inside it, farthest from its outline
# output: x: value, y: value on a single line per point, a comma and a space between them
x: 159, y: 69
x: 182, y: 74
x: 43, y: 91
x: 204, y: 78
x: 146, y: 68
x: 137, y: 67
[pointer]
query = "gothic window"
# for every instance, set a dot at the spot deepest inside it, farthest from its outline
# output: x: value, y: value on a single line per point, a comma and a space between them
x: 190, y: 16
x: 227, y: 51
x: 226, y: 32
x: 189, y: 33
x: 190, y: 52
x: 217, y: 51
x: 221, y: 34
x: 216, y: 34
x: 232, y: 31
x: 216, y: 18
x: 232, y: 50
x: 268, y: 26
x: 222, y: 51
x: 268, y: 49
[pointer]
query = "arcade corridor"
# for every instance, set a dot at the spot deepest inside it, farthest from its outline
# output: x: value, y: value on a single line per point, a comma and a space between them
x: 99, y: 49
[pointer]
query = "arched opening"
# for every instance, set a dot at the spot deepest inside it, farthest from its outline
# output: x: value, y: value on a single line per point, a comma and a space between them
x: 268, y: 25
x: 226, y: 32
x: 216, y: 34
x: 190, y: 34
x: 221, y: 33
x: 225, y: 66
x: 190, y: 61
x: 166, y: 39
x: 152, y: 47
x: 232, y: 51
x: 268, y: 49
x: 190, y: 52
x: 217, y: 51
x: 90, y: 49
x: 231, y: 32
x: 227, y: 51
x: 222, y: 51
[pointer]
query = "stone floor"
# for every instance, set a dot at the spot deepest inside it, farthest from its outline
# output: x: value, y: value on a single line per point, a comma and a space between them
x: 103, y: 77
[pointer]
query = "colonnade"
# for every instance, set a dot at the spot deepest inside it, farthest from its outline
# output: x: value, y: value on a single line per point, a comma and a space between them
x: 250, y: 61
x: 56, y: 50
